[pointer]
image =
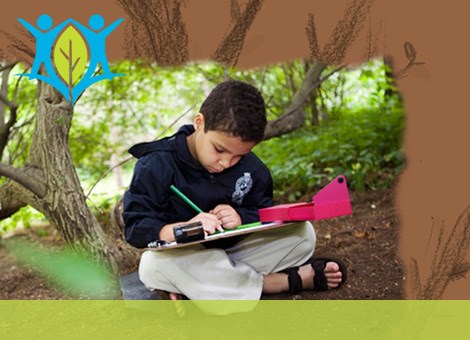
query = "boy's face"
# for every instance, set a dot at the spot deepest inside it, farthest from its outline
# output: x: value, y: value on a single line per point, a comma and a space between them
x: 216, y: 150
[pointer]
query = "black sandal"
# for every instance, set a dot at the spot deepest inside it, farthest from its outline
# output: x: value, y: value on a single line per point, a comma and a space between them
x: 320, y: 283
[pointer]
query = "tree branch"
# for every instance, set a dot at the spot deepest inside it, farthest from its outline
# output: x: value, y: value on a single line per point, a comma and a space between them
x: 4, y: 94
x: 294, y: 116
x: 7, y: 102
x: 343, y: 35
x: 10, y: 202
x: 8, y: 66
x: 35, y: 185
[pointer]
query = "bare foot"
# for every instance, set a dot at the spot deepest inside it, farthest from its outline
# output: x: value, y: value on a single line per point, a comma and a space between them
x: 332, y: 273
x: 179, y: 307
x: 279, y: 282
x: 175, y: 296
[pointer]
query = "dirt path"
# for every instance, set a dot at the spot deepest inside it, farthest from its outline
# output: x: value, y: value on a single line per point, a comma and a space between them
x: 367, y: 242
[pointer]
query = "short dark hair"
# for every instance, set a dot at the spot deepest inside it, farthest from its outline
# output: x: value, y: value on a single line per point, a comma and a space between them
x: 237, y: 108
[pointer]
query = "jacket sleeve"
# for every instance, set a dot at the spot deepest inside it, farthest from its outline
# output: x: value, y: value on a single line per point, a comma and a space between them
x: 145, y: 209
x: 260, y: 196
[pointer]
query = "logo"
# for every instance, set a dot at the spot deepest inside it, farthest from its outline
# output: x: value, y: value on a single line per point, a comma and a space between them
x: 242, y: 187
x: 66, y: 49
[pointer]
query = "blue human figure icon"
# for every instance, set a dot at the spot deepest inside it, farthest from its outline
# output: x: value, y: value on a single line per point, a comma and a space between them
x: 96, y: 39
x: 45, y: 37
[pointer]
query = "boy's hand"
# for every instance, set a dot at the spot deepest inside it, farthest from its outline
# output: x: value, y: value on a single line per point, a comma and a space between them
x: 227, y: 215
x: 210, y: 222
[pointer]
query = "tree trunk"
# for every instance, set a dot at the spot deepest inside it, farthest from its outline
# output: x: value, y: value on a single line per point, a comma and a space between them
x: 63, y: 202
x: 315, y: 114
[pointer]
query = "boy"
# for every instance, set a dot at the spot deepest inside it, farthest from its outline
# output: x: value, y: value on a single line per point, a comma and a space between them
x: 212, y: 163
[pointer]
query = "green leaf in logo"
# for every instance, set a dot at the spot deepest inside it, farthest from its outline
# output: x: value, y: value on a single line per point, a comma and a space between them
x: 70, y: 55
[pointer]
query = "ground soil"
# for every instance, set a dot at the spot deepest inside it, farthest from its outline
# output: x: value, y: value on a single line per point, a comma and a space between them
x: 366, y: 241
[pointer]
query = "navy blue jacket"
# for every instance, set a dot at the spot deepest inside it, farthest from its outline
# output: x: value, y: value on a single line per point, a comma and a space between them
x: 149, y: 204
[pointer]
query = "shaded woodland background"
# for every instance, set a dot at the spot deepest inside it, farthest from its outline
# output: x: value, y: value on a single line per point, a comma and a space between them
x: 342, y: 133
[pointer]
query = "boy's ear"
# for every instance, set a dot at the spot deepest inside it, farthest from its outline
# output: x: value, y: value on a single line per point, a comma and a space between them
x: 199, y: 122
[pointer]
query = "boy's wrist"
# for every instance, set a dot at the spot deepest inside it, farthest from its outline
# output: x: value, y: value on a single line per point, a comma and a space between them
x: 166, y: 233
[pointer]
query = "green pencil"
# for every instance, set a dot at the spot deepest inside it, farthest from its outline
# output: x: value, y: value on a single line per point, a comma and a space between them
x: 185, y: 198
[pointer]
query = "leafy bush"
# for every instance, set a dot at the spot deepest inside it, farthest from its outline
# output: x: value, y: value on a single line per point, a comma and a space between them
x: 364, y: 146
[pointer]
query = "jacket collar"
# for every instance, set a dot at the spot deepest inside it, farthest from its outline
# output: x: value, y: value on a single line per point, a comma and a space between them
x: 182, y: 148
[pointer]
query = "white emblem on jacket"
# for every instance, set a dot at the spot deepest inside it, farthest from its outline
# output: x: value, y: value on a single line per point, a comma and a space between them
x: 242, y: 187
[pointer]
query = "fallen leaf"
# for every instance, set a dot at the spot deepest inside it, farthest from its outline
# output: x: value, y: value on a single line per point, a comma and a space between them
x: 359, y: 233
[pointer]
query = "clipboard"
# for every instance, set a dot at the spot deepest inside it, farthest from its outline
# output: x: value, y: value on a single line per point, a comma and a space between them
x: 163, y: 245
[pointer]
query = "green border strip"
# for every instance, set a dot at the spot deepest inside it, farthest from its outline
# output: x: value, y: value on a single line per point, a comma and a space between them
x: 271, y: 319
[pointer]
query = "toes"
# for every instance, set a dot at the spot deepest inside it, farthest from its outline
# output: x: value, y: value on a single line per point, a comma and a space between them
x: 331, y: 267
x: 332, y: 271
x: 332, y: 285
x: 334, y: 280
x: 175, y: 296
x: 333, y: 275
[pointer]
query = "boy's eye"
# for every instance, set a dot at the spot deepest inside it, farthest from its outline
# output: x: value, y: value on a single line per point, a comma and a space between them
x: 218, y: 150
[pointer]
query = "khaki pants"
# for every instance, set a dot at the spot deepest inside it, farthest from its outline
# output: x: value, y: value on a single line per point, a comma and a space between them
x: 235, y: 273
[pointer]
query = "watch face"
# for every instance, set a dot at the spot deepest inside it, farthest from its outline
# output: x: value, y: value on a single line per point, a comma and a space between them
x: 188, y: 232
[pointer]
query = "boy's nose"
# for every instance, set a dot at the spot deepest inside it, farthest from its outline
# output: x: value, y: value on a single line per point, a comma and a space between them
x: 225, y: 163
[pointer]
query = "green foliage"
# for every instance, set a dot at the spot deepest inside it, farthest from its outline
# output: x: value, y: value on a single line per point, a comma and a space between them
x: 367, y: 87
x: 277, y: 83
x: 364, y: 146
x: 102, y: 206
x: 113, y: 115
x: 359, y: 135
x: 22, y: 218
x: 73, y: 272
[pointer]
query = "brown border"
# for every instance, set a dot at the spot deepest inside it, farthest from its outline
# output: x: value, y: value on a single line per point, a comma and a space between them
x: 433, y: 193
